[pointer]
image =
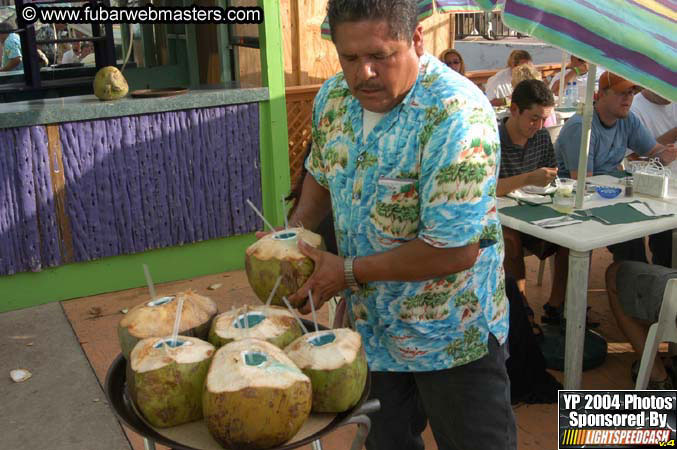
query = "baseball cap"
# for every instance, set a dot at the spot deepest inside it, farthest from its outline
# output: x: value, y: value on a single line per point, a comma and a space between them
x: 613, y: 81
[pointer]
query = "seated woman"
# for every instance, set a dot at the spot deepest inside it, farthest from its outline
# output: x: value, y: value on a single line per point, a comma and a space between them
x: 454, y: 60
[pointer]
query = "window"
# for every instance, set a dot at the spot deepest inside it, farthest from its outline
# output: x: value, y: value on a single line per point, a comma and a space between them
x: 53, y: 56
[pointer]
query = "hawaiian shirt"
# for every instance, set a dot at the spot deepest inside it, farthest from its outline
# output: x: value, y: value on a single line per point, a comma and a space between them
x: 427, y: 171
x: 11, y: 50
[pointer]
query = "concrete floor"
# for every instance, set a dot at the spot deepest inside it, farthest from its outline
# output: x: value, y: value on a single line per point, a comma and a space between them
x: 94, y: 321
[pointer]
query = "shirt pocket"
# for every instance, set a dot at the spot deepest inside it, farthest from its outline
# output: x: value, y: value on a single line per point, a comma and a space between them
x: 395, y: 212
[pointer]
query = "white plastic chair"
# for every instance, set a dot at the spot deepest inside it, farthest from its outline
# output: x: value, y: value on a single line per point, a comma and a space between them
x: 665, y: 330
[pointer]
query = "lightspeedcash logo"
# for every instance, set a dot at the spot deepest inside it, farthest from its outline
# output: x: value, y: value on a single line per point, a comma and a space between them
x: 141, y: 14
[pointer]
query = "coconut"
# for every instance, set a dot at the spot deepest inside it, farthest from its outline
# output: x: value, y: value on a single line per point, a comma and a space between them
x: 167, y: 378
x: 273, y: 324
x: 110, y: 84
x: 156, y: 319
x: 254, y: 396
x: 336, y: 364
x: 276, y: 255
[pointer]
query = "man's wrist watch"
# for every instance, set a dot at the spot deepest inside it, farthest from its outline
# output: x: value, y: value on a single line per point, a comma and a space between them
x: 349, y: 275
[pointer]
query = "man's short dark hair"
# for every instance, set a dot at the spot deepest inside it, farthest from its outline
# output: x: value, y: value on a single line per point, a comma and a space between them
x: 6, y: 28
x: 401, y: 15
x: 530, y: 92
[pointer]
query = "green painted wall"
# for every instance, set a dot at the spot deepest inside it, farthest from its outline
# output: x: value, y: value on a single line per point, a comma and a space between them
x: 122, y: 272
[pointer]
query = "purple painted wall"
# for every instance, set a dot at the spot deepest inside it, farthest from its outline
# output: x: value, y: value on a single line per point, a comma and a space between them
x: 132, y: 184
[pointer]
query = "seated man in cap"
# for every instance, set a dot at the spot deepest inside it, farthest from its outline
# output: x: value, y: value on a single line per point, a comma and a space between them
x: 614, y: 129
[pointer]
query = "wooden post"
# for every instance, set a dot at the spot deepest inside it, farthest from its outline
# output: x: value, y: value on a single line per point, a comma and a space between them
x: 59, y: 188
x: 273, y: 115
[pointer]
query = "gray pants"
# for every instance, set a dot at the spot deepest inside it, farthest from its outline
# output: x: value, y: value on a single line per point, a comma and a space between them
x: 468, y: 406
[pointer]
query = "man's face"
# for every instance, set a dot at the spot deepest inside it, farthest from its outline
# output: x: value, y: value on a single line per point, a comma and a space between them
x: 530, y: 120
x: 379, y: 70
x: 615, y: 103
x: 3, y: 37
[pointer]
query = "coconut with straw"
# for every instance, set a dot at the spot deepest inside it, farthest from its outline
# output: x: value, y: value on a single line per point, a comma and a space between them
x: 254, y: 396
x: 156, y: 317
x: 335, y: 362
x: 166, y: 376
x: 277, y: 255
x: 269, y: 323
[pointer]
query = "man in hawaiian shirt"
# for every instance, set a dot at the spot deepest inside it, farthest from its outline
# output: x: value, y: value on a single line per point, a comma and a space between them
x: 11, y: 49
x: 405, y: 150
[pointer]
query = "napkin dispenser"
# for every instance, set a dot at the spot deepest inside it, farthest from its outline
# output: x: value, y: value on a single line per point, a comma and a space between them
x: 652, y: 178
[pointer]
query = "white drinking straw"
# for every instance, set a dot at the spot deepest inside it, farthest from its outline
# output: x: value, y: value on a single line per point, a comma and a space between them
x: 177, y: 321
x: 284, y: 210
x: 149, y: 281
x: 258, y: 213
x: 272, y: 294
x: 312, y: 308
x: 293, y: 313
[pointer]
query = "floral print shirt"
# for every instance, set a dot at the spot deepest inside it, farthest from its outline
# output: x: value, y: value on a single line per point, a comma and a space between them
x: 11, y: 50
x: 427, y: 171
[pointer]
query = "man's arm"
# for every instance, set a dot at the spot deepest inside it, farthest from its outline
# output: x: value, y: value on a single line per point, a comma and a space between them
x: 313, y: 206
x: 431, y: 262
x: 666, y: 153
x: 11, y: 64
x: 667, y: 138
x: 539, y: 177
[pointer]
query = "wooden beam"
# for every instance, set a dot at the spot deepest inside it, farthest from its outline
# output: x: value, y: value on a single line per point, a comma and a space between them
x: 59, y: 188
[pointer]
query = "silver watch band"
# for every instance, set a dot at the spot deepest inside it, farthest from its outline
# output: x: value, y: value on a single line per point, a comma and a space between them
x: 349, y: 275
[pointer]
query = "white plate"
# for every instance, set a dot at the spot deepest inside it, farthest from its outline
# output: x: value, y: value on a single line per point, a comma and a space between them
x: 539, y: 190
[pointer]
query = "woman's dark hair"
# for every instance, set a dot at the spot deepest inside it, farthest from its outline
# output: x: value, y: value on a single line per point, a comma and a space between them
x: 401, y: 15
x: 530, y: 92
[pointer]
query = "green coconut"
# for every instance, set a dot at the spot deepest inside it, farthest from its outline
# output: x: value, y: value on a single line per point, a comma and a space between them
x: 167, y: 378
x: 276, y: 255
x: 110, y: 84
x: 155, y: 318
x: 273, y: 324
x: 254, y: 396
x: 336, y: 364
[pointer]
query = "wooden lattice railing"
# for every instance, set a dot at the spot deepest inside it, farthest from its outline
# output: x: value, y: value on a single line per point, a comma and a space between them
x: 299, y: 113
x: 300, y: 108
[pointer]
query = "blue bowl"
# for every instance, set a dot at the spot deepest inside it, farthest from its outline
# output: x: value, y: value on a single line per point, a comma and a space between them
x: 608, y: 191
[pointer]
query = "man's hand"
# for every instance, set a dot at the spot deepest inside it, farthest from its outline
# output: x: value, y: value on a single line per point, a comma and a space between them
x: 542, y: 176
x: 326, y: 281
x: 668, y: 154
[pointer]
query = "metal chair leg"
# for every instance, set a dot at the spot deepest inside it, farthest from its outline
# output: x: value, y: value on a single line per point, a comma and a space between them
x: 148, y: 444
x: 316, y: 445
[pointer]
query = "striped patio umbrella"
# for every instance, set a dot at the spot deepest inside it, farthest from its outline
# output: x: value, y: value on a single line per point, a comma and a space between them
x: 636, y: 39
x: 427, y: 7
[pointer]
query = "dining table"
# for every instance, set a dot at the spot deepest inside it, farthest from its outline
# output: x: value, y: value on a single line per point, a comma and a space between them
x: 586, y: 235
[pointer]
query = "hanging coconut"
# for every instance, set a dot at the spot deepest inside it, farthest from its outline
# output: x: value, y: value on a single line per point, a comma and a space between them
x: 276, y: 255
x: 110, y: 84
x: 336, y: 364
x: 155, y: 318
x: 273, y: 324
x: 167, y: 377
x: 254, y: 396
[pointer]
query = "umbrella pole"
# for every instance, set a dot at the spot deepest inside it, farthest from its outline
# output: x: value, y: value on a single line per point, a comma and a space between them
x: 563, y: 70
x: 585, y: 136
